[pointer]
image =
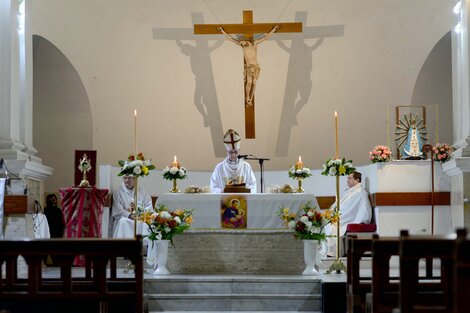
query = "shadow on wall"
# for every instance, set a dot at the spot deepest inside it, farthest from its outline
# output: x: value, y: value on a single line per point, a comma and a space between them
x: 205, y: 96
x: 62, y: 119
x: 299, y: 74
x: 434, y: 86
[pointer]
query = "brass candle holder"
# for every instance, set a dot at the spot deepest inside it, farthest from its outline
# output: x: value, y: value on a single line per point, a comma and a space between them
x: 84, y: 167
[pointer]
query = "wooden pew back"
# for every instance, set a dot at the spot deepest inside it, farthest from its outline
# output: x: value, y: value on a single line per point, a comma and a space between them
x: 358, y: 284
x: 418, y: 294
x: 100, y: 282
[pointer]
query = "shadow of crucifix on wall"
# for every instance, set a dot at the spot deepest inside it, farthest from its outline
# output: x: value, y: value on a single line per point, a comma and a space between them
x: 205, y: 95
x: 299, y: 74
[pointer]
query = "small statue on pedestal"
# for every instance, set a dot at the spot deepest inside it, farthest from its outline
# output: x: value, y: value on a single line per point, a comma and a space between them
x: 84, y: 167
x: 412, y: 132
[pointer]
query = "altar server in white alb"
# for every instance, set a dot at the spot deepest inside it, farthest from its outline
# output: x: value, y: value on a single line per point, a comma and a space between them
x: 123, y: 205
x: 355, y: 209
x: 232, y: 170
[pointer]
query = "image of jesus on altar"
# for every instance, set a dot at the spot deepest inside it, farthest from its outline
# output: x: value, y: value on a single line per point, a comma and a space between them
x: 233, y: 212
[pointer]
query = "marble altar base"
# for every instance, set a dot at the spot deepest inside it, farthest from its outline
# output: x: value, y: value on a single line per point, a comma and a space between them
x: 236, y: 252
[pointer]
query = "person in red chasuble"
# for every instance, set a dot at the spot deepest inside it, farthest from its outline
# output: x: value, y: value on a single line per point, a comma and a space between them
x: 123, y: 206
x: 232, y: 170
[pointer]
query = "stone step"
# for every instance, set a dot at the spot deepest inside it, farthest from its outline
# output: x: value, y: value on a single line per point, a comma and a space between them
x: 234, y: 302
x: 240, y: 311
x: 227, y: 285
x: 233, y: 293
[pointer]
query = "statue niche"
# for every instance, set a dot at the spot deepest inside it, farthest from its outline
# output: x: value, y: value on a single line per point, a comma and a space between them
x: 410, y: 136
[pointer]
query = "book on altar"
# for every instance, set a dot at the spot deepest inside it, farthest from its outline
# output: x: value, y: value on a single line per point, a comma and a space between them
x: 236, y: 188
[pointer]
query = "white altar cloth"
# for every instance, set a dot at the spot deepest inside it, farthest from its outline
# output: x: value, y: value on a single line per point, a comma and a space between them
x: 262, y: 208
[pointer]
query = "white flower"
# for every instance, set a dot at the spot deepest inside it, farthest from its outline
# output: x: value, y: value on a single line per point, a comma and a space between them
x: 174, y: 170
x: 181, y: 173
x: 291, y: 225
x: 183, y: 169
x: 165, y: 215
x: 338, y: 161
x: 324, y: 167
x: 166, y: 169
x: 348, y: 164
x: 137, y: 170
x: 126, y: 165
x: 331, y: 163
x: 177, y: 220
x: 308, y: 224
x: 158, y: 235
x: 137, y: 163
x: 332, y: 171
x: 304, y: 219
x: 146, y: 162
x: 167, y: 229
x: 306, y: 170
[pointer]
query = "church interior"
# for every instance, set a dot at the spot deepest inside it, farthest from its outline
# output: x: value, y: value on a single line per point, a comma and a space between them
x: 247, y: 156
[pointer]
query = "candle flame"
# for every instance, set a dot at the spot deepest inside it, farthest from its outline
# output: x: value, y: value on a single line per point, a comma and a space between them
x: 135, y: 112
x: 174, y: 159
x: 336, y: 114
x: 300, y: 158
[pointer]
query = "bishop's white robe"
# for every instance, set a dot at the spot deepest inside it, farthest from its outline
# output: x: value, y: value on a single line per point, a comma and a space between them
x: 227, y: 171
x: 355, y: 209
x: 123, y: 226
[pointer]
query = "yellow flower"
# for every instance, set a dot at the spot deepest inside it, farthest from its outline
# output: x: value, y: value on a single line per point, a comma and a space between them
x: 145, y: 170
x: 342, y: 170
x: 189, y: 220
x: 292, y: 216
x: 334, y: 220
x: 327, y: 214
x: 179, y: 212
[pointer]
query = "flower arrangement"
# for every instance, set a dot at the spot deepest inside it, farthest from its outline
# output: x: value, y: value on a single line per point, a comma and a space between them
x: 174, y: 172
x: 310, y: 224
x: 136, y: 166
x: 163, y: 224
x: 338, y: 167
x: 380, y: 154
x: 299, y: 173
x: 442, y: 152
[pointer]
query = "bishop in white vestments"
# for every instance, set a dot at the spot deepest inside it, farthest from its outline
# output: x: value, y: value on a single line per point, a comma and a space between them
x: 123, y: 205
x: 355, y: 209
x: 232, y: 170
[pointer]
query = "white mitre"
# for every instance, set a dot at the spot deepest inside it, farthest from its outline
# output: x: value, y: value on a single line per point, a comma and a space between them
x: 232, y: 140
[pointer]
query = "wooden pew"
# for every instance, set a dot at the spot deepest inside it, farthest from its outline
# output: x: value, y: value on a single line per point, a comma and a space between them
x: 384, y: 286
x: 358, y: 285
x: 418, y: 294
x: 97, y: 290
x: 462, y: 272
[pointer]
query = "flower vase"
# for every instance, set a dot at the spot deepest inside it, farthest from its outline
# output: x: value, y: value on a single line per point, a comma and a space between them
x: 310, y: 257
x: 299, y: 188
x: 161, y: 247
x: 175, y: 187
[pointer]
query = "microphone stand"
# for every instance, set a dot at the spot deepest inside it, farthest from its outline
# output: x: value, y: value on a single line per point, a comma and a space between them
x: 261, y: 163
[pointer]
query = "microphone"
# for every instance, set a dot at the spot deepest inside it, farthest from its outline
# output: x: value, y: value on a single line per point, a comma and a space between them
x: 242, y: 156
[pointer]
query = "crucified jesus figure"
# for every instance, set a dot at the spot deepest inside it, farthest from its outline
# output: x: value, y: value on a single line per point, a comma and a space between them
x: 252, y: 69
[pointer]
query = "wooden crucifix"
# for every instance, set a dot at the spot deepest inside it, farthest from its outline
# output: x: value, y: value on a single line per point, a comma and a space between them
x: 251, y: 67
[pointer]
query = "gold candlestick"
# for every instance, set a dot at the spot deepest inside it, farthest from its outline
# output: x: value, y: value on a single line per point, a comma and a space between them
x: 136, y: 178
x: 135, y: 132
x: 336, y: 136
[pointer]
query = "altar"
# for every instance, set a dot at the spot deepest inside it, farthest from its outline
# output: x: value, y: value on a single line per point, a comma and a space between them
x: 261, y: 208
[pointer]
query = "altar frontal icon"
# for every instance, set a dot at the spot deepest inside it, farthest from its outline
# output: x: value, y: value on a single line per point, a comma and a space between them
x: 233, y: 212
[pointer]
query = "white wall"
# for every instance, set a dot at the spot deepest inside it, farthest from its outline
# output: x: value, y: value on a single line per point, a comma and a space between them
x: 366, y: 55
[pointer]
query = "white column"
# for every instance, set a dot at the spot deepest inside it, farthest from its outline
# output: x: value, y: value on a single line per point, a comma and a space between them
x: 16, y: 92
x: 10, y: 122
x: 459, y: 167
